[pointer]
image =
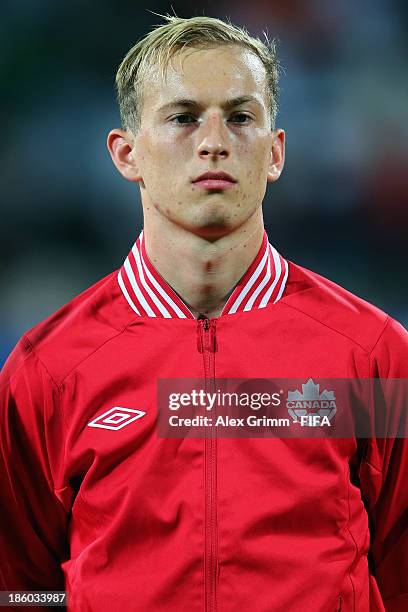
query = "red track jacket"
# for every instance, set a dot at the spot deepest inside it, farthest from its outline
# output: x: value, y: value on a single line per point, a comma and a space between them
x: 129, y: 521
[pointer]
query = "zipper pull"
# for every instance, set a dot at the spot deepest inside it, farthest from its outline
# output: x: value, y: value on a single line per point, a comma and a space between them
x: 206, y: 326
x: 213, y: 340
x: 200, y: 336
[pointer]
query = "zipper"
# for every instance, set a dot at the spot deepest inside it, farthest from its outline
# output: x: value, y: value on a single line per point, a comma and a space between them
x: 207, y: 346
x: 339, y: 602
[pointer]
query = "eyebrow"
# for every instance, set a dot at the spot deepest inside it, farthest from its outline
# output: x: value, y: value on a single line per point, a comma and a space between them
x: 189, y: 103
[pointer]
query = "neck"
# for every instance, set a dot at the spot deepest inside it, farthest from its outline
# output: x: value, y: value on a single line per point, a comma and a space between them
x: 203, y: 272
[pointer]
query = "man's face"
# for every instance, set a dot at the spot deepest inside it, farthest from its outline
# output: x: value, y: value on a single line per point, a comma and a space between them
x: 209, y: 115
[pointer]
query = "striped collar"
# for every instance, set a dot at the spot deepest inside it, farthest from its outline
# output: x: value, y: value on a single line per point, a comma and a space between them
x: 149, y: 295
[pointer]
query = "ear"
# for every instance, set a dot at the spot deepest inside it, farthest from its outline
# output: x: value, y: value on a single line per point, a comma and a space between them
x: 121, y: 146
x: 277, y: 159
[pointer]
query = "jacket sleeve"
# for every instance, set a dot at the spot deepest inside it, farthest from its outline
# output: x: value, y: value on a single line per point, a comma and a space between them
x: 33, y: 518
x: 384, y: 482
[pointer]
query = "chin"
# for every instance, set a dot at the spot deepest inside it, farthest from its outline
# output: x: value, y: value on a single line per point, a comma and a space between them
x: 214, y: 228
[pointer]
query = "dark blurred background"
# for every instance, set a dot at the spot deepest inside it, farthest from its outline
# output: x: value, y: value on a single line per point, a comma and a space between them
x: 68, y: 218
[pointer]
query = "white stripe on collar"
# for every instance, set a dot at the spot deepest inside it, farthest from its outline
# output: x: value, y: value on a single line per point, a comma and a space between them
x: 149, y: 295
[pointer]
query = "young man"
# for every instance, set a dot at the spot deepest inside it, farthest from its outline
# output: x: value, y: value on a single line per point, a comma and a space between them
x: 93, y: 499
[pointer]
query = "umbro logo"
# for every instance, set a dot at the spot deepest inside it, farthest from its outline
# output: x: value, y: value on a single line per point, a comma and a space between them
x: 116, y: 418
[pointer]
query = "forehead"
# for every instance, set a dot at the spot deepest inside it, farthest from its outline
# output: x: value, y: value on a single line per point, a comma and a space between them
x: 219, y: 73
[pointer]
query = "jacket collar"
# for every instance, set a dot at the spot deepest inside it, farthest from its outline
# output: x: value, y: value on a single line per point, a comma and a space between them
x: 149, y: 295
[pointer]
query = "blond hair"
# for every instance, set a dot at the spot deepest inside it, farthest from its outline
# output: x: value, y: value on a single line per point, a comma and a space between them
x: 162, y: 43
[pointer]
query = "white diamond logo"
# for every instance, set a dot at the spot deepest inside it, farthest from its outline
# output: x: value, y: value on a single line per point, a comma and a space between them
x: 116, y: 418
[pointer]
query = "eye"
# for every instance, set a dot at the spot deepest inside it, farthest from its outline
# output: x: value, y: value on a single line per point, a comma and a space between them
x: 241, y: 118
x: 188, y: 119
x: 183, y: 119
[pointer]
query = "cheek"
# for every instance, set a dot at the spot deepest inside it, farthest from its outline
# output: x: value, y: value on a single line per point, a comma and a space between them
x: 160, y: 152
x: 167, y: 159
x: 255, y: 172
x: 255, y: 161
x: 255, y: 156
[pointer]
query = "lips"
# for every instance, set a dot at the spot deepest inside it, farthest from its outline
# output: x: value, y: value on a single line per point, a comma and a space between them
x: 215, y: 176
x: 214, y: 180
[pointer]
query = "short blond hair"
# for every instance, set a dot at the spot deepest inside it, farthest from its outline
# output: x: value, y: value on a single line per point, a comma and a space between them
x: 164, y: 41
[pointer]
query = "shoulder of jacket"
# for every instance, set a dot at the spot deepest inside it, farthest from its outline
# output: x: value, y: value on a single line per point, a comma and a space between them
x: 77, y: 329
x: 335, y: 307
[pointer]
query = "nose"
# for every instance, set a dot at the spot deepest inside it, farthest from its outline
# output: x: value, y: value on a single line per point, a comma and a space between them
x: 213, y: 139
